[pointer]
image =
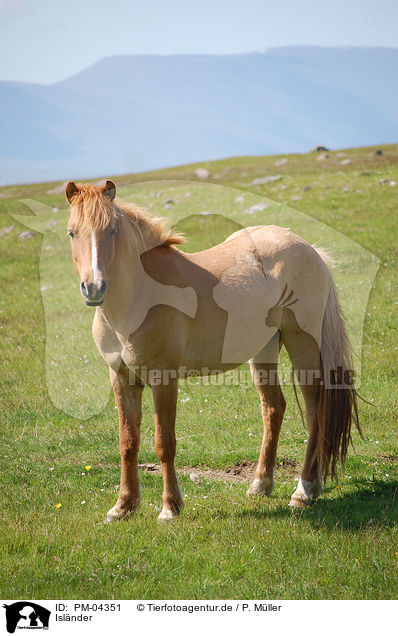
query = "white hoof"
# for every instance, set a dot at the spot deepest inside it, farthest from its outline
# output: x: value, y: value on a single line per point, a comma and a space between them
x: 305, y: 492
x: 261, y: 487
x: 115, y: 514
x: 299, y: 502
x: 168, y: 514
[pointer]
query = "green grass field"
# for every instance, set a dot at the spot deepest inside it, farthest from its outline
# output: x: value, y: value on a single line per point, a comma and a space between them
x: 224, y: 545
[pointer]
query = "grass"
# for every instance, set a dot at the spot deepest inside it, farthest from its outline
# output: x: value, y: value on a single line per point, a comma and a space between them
x: 224, y: 545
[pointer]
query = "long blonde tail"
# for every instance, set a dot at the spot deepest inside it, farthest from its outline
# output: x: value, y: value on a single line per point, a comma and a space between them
x: 337, y: 397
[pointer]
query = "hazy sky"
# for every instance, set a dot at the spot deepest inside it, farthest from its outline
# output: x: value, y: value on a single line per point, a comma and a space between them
x: 47, y: 40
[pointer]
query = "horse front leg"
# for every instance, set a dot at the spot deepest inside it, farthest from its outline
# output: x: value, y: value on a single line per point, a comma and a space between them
x: 128, y: 399
x: 165, y: 400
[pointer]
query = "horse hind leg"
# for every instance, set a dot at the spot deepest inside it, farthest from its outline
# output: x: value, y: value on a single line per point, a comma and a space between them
x: 273, y: 406
x: 305, y: 357
x: 309, y: 486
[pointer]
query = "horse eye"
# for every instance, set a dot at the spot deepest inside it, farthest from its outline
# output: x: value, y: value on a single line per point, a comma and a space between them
x: 112, y: 232
x: 71, y: 234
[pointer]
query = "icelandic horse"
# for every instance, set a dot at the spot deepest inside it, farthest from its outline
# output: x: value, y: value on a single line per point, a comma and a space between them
x: 161, y: 313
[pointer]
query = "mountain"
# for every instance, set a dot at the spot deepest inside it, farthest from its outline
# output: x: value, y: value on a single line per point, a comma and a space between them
x: 141, y: 112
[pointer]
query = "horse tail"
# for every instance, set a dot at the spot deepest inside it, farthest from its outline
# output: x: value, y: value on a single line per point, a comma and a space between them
x: 337, y: 406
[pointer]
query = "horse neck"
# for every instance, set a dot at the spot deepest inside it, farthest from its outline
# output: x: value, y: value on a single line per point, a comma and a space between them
x: 124, y: 281
x: 128, y: 281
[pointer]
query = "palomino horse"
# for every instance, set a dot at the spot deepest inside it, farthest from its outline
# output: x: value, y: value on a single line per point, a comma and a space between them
x: 162, y: 313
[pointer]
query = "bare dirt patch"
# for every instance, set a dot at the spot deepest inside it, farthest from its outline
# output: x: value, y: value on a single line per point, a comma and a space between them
x: 389, y: 457
x: 239, y: 473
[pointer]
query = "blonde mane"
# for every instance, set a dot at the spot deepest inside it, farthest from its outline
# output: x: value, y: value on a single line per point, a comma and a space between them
x: 93, y: 211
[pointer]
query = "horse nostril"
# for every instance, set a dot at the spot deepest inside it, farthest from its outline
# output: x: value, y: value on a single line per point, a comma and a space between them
x: 86, y: 289
x: 93, y: 290
x: 102, y: 287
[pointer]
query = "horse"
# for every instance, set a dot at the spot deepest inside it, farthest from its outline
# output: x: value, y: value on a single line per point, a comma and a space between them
x: 162, y: 313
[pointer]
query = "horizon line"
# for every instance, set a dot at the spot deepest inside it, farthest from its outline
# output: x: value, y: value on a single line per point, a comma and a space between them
x: 201, y: 55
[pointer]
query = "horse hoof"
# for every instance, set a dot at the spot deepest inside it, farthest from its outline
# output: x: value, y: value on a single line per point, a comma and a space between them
x: 167, y: 515
x: 298, y: 502
x: 261, y: 487
x: 305, y: 493
x: 170, y: 513
x: 116, y: 514
x: 112, y: 516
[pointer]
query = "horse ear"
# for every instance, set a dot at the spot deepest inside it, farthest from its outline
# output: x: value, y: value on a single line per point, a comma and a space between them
x: 71, y: 190
x: 109, y: 189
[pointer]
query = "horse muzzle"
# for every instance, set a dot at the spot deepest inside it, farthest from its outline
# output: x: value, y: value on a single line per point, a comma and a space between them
x: 93, y: 293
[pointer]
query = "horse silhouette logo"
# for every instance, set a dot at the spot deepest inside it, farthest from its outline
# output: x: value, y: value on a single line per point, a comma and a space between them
x: 26, y: 615
x: 76, y: 377
x: 274, y: 316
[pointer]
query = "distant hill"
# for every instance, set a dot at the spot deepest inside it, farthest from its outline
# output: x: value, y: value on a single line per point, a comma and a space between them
x: 135, y: 113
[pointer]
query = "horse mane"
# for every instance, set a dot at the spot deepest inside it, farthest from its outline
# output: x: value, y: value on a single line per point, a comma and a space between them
x: 93, y: 211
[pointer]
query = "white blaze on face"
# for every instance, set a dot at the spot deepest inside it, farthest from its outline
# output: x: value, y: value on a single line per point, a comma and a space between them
x: 94, y: 257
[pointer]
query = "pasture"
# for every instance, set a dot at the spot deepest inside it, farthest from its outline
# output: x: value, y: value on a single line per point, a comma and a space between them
x: 59, y: 472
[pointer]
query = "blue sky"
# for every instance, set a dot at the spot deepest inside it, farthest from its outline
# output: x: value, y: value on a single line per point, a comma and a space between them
x: 48, y: 40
